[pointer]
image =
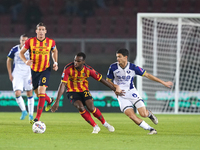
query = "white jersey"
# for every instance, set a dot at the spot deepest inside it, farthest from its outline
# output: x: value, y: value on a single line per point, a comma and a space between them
x: 124, y: 76
x: 19, y: 67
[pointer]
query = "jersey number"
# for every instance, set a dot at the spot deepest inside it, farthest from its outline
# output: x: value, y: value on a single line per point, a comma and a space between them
x: 87, y: 93
x: 44, y: 80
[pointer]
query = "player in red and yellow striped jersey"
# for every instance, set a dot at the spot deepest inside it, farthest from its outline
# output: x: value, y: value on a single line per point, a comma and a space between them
x: 74, y: 77
x: 40, y: 48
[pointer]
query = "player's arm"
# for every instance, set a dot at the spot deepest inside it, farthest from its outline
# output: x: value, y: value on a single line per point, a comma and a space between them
x: 153, y: 78
x: 112, y: 86
x: 9, y: 67
x: 61, y: 90
x: 55, y: 59
x: 22, y: 56
x: 118, y: 91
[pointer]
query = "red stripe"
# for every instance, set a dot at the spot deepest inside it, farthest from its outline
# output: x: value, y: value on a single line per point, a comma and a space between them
x: 45, y: 62
x: 71, y: 82
x: 34, y: 44
x: 85, y: 84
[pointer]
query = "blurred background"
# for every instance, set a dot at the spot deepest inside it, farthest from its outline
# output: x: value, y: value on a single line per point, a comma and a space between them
x: 96, y: 27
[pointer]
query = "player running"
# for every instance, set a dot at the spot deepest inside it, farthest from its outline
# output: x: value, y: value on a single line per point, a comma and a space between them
x: 74, y: 77
x: 20, y: 76
x: 40, y: 48
x: 122, y: 74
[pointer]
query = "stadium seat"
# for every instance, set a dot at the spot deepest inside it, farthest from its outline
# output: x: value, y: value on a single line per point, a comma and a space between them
x: 143, y: 6
x: 93, y: 48
x: 5, y: 30
x: 114, y: 11
x: 128, y: 12
x: 18, y: 29
x: 157, y: 6
x: 185, y: 6
x: 171, y: 6
x: 91, y: 21
x: 130, y: 4
x: 101, y: 12
x: 5, y: 19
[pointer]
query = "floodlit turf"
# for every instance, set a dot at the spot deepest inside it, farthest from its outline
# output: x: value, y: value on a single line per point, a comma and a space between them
x: 68, y: 131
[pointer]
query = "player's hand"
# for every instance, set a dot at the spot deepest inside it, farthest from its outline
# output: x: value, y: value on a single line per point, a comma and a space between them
x: 121, y: 93
x: 168, y: 84
x: 55, y: 106
x: 55, y: 67
x: 11, y: 78
x: 29, y: 62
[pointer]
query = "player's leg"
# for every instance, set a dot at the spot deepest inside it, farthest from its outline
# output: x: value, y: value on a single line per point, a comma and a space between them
x: 97, y: 113
x: 18, y: 87
x: 126, y: 106
x: 147, y: 113
x: 30, y: 104
x: 28, y: 88
x: 76, y: 100
x: 21, y: 104
x: 41, y: 94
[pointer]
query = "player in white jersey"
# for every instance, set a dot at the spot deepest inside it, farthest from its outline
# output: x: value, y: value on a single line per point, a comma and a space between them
x: 122, y: 74
x: 20, y: 76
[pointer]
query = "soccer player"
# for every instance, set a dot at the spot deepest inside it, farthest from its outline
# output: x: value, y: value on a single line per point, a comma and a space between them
x: 74, y: 77
x: 40, y: 48
x: 122, y: 74
x: 20, y: 76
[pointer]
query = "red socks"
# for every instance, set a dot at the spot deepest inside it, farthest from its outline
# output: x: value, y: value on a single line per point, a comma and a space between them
x: 47, y: 98
x: 98, y: 115
x: 86, y: 115
x: 40, y: 105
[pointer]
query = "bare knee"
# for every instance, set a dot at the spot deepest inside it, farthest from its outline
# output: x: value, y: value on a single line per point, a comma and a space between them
x: 143, y: 112
x: 17, y: 93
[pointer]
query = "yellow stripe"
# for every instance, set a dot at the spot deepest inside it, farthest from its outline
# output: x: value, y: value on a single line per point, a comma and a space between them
x: 144, y: 73
x: 94, y: 110
x: 63, y: 81
x: 82, y: 112
x: 75, y: 83
x: 9, y: 58
x: 100, y: 78
x: 68, y: 83
x: 31, y: 47
x: 42, y: 95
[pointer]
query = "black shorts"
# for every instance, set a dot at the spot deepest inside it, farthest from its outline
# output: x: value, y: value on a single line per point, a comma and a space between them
x: 40, y: 78
x: 82, y: 96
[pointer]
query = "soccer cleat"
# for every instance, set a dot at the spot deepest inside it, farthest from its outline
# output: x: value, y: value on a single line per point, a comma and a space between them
x: 96, y: 129
x: 110, y: 128
x: 30, y: 117
x: 153, y: 118
x: 24, y: 114
x: 48, y: 106
x: 152, y: 131
x: 33, y: 121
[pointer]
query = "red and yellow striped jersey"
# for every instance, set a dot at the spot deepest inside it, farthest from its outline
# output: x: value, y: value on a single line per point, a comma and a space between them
x: 40, y: 52
x: 77, y: 80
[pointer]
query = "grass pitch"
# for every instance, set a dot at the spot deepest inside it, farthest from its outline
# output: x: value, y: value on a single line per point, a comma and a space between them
x: 69, y: 131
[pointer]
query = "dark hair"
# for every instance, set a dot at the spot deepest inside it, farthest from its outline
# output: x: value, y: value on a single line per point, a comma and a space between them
x: 41, y: 24
x: 81, y: 54
x: 123, y: 51
x: 23, y: 35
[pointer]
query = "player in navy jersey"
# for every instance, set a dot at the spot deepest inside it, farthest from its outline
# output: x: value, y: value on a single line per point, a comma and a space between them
x: 20, y: 76
x: 122, y: 74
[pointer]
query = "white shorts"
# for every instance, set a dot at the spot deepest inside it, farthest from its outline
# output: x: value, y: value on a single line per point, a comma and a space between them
x: 131, y: 98
x: 22, y: 83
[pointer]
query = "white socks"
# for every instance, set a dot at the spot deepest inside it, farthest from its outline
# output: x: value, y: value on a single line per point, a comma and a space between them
x: 20, y: 102
x: 145, y: 126
x: 30, y: 105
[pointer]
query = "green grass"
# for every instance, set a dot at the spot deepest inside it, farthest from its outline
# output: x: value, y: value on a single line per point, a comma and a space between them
x: 68, y: 131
